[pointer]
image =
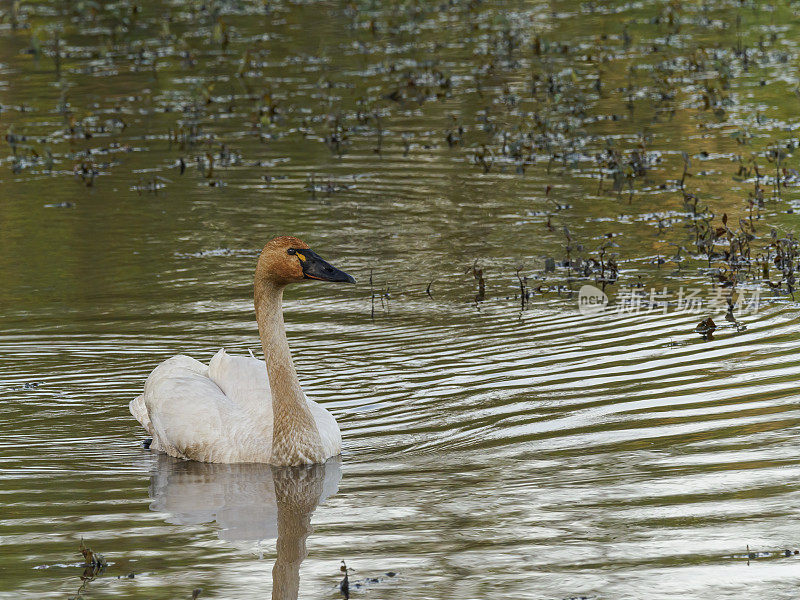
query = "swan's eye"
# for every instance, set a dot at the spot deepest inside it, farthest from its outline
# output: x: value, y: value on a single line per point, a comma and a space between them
x: 294, y: 251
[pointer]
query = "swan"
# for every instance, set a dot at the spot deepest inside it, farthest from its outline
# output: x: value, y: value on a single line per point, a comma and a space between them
x: 239, y: 409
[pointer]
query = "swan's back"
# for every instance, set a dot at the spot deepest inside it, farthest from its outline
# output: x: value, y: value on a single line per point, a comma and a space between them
x: 244, y: 380
x: 221, y: 413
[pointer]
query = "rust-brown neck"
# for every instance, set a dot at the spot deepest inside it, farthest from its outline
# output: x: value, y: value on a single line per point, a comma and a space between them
x: 295, y: 437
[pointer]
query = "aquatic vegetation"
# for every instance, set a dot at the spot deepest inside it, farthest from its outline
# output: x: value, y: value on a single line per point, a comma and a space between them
x: 346, y: 586
x: 94, y: 565
x: 509, y: 97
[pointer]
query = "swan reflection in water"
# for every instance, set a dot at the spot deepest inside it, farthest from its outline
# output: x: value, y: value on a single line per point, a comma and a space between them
x: 251, y: 502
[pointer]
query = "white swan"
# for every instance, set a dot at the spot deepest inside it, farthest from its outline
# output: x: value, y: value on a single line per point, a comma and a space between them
x: 239, y: 409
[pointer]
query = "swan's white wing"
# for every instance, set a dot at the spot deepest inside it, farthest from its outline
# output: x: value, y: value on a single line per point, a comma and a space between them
x: 328, y: 429
x: 176, y: 365
x: 179, y: 363
x: 186, y: 411
x: 243, y: 380
x: 139, y: 412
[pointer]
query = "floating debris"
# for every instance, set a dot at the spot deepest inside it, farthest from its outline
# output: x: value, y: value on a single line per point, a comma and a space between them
x: 90, y: 559
x: 477, y: 273
x: 706, y: 328
x: 93, y: 565
x: 31, y: 385
x: 344, y: 585
x: 771, y: 554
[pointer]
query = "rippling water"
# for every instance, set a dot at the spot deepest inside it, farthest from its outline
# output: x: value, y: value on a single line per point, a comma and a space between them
x: 489, y: 451
x: 547, y: 456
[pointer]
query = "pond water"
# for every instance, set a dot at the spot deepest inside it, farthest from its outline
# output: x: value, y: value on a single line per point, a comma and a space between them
x: 472, y: 164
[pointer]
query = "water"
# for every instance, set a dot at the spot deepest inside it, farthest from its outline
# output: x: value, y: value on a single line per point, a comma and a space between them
x: 488, y: 450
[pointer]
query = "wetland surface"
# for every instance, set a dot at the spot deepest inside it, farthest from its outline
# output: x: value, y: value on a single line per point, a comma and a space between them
x: 472, y: 164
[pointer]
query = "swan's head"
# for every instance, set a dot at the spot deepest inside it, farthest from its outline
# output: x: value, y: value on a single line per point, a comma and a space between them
x: 288, y: 259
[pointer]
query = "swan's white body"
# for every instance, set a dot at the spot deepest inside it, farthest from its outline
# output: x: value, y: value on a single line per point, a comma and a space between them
x: 239, y: 409
x: 220, y: 413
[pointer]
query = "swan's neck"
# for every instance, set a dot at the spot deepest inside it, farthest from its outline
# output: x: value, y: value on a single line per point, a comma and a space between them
x: 295, y: 437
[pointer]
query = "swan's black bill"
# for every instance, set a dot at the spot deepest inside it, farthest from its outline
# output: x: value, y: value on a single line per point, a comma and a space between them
x: 316, y: 268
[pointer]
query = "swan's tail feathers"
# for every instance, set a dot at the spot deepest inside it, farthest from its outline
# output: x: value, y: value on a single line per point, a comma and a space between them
x: 139, y: 411
x: 220, y: 355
